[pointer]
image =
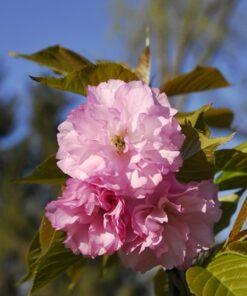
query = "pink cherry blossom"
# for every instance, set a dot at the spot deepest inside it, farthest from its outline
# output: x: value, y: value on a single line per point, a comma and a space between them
x: 124, y: 139
x: 92, y: 217
x: 172, y: 225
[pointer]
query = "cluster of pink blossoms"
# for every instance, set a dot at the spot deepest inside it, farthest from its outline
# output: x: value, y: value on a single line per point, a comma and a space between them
x: 121, y: 151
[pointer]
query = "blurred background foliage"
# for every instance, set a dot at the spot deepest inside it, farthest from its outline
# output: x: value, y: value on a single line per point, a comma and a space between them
x: 183, y: 34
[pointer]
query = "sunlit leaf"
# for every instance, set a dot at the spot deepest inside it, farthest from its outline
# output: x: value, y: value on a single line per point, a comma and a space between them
x: 238, y: 247
x: 238, y: 224
x: 198, y: 155
x: 200, y: 79
x: 78, y: 81
x: 193, y: 116
x: 46, y: 234
x: 233, y: 164
x: 226, y: 274
x: 46, y: 173
x: 196, y: 119
x: 228, y: 206
x: 143, y: 68
x: 160, y: 282
x: 57, y: 58
x: 232, y: 180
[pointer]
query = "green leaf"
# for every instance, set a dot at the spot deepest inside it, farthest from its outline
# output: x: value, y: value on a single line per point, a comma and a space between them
x: 78, y: 81
x: 198, y: 155
x: 46, y: 234
x: 160, y: 282
x: 54, y: 261
x: 46, y: 173
x: 226, y: 274
x: 108, y: 261
x: 231, y: 180
x: 33, y: 255
x: 228, y: 206
x: 57, y: 58
x: 238, y: 247
x: 196, y: 119
x: 143, y: 68
x: 192, y: 117
x: 233, y: 163
x: 75, y: 273
x: 231, y: 160
x: 200, y: 79
x: 239, y: 222
x: 242, y: 147
x: 219, y: 117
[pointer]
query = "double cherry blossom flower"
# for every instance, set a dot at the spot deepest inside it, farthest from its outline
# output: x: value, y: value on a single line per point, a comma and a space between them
x: 121, y: 150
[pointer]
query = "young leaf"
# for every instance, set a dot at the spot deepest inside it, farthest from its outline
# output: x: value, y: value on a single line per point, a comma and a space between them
x: 55, y: 260
x: 238, y: 247
x: 200, y: 79
x: 33, y: 255
x: 46, y: 173
x: 231, y: 180
x: 231, y: 160
x: 160, y: 282
x: 196, y: 141
x: 219, y: 117
x: 143, y: 68
x: 198, y: 155
x: 226, y: 274
x: 46, y: 234
x: 192, y: 117
x: 228, y: 206
x: 57, y: 58
x: 241, y: 219
x: 78, y: 81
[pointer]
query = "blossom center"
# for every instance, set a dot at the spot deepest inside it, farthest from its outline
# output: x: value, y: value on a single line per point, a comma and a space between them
x: 119, y: 143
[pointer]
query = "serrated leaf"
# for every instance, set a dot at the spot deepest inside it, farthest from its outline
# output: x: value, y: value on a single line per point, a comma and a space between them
x: 219, y: 117
x: 57, y: 58
x: 228, y: 206
x: 231, y: 160
x: 33, y: 255
x: 46, y: 173
x: 232, y: 163
x: 200, y: 79
x: 46, y: 234
x: 143, y: 68
x: 78, y: 81
x: 54, y: 261
x: 226, y: 274
x: 196, y: 141
x: 198, y: 155
x: 160, y: 282
x: 192, y: 116
x: 196, y: 119
x: 231, y: 180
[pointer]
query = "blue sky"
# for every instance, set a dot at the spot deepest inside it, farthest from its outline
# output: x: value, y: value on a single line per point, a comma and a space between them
x: 84, y: 26
x: 27, y: 26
